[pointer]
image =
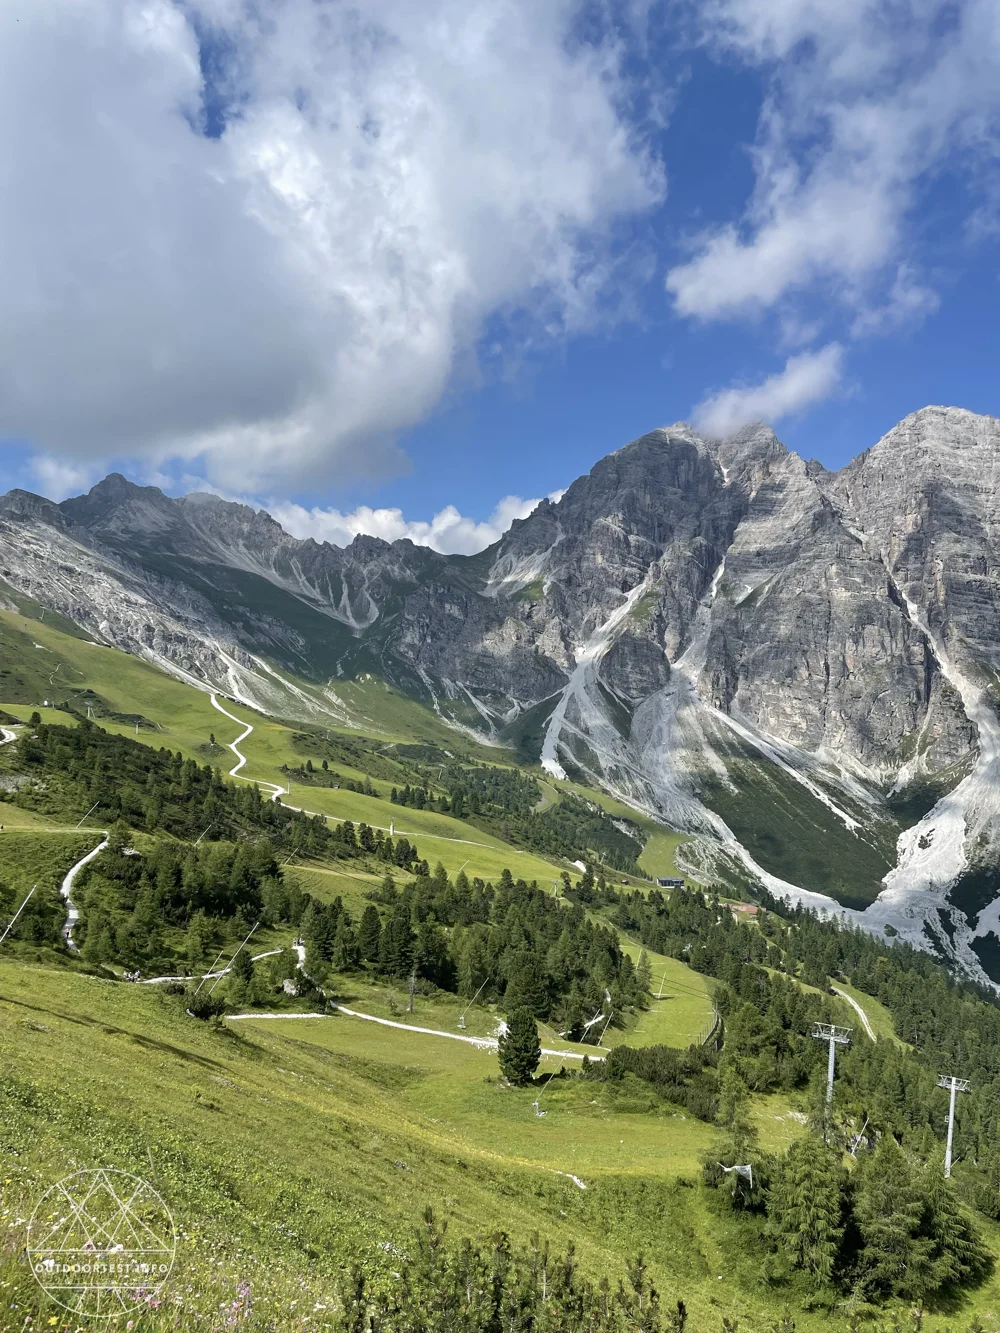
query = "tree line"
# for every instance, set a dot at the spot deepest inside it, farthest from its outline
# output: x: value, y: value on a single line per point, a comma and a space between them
x: 506, y: 802
x: 511, y: 944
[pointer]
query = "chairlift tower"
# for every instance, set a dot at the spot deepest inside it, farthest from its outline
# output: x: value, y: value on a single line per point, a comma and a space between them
x: 836, y: 1036
x: 953, y: 1086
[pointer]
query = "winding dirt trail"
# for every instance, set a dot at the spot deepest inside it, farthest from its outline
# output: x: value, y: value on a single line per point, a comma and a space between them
x: 481, y: 1043
x: 241, y: 758
x: 66, y: 889
x: 206, y: 976
x: 276, y: 792
x: 857, y: 1008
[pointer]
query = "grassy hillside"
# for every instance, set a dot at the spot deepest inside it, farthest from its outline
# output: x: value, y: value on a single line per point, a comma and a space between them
x: 680, y: 1010
x: 129, y: 697
x: 288, y: 1148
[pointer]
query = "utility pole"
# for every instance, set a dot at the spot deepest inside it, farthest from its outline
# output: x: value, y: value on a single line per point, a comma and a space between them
x: 953, y: 1085
x: 836, y: 1036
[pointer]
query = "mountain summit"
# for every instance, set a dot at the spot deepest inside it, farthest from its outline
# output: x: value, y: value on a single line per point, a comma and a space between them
x: 798, y: 668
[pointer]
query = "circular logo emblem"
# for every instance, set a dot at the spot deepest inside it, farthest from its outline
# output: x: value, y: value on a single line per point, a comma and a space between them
x: 101, y: 1243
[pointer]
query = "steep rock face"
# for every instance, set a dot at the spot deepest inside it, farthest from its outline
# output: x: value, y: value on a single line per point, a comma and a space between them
x: 145, y: 526
x: 659, y: 500
x: 557, y: 576
x: 927, y: 496
x: 808, y: 643
x: 45, y: 557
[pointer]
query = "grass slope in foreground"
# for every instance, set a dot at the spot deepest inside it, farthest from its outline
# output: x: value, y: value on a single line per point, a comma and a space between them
x: 287, y: 1149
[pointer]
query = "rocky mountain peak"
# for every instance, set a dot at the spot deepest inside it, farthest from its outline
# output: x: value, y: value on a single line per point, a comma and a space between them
x: 18, y: 504
x: 366, y: 547
x: 117, y: 505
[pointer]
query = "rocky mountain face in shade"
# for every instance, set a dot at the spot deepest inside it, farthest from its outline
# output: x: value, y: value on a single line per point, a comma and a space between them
x: 799, y: 668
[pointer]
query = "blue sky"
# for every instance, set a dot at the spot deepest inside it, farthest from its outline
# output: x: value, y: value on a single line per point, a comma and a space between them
x: 371, y: 270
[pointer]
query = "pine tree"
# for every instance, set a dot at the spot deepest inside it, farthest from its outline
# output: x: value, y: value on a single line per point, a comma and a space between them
x: 346, y: 953
x: 644, y: 973
x: 240, y: 983
x: 242, y: 965
x: 739, y: 1148
x: 396, y: 947
x: 960, y: 1258
x: 369, y: 934
x: 199, y: 936
x: 319, y: 929
x: 525, y: 985
x: 97, y: 947
x: 519, y: 1048
x: 805, y: 1208
x: 734, y: 1113
x: 888, y: 1212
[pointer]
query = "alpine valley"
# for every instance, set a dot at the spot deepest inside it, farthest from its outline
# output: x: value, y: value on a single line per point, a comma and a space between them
x: 795, y: 669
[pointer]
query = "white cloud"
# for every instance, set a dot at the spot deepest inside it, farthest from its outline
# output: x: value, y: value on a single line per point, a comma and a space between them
x: 57, y: 479
x: 806, y: 379
x: 448, y: 531
x: 276, y: 303
x: 865, y: 101
x: 907, y: 303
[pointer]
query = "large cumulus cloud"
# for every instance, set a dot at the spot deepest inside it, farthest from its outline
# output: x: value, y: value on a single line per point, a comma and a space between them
x: 264, y: 239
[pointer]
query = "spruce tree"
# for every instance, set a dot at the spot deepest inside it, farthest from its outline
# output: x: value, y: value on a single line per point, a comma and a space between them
x: 346, y: 953
x: 519, y: 1048
x: 525, y: 985
x: 644, y: 973
x: 960, y: 1258
x: 369, y: 934
x: 734, y: 1113
x: 889, y: 1212
x: 97, y: 947
x: 805, y: 1208
x: 396, y: 946
x: 739, y: 1148
x: 240, y: 983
